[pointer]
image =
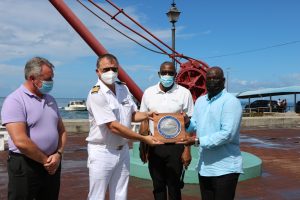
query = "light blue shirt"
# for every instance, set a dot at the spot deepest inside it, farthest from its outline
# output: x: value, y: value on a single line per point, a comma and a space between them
x: 217, y: 124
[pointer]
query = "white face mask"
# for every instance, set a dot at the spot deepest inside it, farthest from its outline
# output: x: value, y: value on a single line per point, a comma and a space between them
x: 109, y: 77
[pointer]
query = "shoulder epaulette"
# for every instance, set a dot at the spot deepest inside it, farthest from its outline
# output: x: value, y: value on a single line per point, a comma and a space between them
x: 95, y: 89
x: 120, y: 83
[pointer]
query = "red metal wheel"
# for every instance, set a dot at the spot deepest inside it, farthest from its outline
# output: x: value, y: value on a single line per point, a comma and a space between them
x: 192, y: 75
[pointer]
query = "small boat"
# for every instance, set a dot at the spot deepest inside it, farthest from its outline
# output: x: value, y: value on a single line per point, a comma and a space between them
x: 3, y: 138
x: 77, y: 105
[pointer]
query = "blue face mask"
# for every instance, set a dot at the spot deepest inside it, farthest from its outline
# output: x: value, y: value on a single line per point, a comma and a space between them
x: 166, y: 80
x: 46, y: 87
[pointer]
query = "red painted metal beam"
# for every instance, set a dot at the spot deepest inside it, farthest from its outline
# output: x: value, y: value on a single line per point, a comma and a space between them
x: 96, y: 46
x: 135, y: 32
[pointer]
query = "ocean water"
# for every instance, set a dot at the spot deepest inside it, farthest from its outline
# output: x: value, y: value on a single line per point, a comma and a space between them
x: 63, y: 102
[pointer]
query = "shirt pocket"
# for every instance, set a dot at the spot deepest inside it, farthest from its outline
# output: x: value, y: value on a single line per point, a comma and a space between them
x: 127, y: 114
x: 115, y: 109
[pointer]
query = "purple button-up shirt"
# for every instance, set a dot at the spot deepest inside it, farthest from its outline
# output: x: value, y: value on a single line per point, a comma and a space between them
x: 40, y: 115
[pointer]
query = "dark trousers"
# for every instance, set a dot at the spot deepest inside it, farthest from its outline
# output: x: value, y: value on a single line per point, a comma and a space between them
x: 28, y: 179
x: 165, y: 168
x: 218, y: 187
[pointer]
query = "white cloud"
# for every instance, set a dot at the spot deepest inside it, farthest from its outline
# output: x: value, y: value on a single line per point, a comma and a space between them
x: 238, y: 85
x: 242, y: 85
x: 9, y: 70
x: 291, y: 79
x: 11, y: 77
x: 34, y: 27
x: 240, y: 82
x: 143, y: 74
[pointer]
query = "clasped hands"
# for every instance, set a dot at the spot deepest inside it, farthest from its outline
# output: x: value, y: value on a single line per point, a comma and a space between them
x: 52, y: 163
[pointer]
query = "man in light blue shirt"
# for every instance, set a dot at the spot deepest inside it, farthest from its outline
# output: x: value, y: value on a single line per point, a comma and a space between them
x: 216, y: 120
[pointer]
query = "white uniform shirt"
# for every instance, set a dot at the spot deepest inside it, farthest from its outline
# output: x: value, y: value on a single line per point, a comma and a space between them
x: 103, y: 107
x: 177, y: 99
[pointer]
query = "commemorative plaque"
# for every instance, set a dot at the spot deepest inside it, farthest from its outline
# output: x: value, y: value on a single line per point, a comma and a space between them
x: 169, y: 127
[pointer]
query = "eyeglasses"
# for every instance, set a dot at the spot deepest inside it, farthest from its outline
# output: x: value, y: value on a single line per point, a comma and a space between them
x: 106, y: 69
x: 170, y: 73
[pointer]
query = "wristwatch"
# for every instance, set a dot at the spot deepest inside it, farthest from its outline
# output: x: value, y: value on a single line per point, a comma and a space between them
x: 197, y: 142
x: 60, y: 153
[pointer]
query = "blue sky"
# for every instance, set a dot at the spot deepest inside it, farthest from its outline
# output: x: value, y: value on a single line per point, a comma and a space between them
x: 206, y: 30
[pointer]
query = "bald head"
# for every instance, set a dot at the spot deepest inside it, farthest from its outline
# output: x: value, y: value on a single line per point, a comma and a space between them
x: 215, y: 71
x: 168, y: 65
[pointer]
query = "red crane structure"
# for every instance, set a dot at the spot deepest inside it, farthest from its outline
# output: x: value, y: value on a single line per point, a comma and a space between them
x: 191, y: 74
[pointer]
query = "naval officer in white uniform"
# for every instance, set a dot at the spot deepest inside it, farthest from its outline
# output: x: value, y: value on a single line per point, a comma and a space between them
x: 111, y: 111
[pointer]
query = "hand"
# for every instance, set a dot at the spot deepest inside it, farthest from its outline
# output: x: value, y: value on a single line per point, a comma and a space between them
x: 186, y: 157
x: 187, y: 141
x: 186, y: 118
x: 149, y: 139
x: 151, y: 114
x: 53, y: 163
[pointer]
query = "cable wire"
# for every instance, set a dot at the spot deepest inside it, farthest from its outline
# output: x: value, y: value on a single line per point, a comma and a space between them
x: 254, y: 50
x: 181, y: 55
x: 103, y: 20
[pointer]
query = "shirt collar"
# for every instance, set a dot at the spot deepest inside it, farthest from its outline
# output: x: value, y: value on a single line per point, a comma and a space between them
x: 158, y: 90
x: 104, y: 88
x: 26, y: 91
x: 216, y: 97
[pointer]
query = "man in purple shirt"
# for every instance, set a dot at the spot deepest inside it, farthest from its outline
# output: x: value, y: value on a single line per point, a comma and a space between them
x: 37, y: 135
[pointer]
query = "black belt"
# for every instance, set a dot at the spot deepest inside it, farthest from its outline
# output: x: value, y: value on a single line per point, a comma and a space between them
x: 119, y: 147
x: 11, y: 153
x: 29, y: 160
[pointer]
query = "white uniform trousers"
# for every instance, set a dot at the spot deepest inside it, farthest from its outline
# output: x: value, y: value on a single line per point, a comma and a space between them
x: 108, y: 167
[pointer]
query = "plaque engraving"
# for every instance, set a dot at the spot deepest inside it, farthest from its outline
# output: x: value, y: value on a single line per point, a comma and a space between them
x: 169, y: 127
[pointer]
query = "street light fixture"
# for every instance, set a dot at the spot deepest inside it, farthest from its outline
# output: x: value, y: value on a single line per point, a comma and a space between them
x: 173, y: 16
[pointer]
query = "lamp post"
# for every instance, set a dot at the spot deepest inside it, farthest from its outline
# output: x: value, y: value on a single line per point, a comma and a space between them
x: 227, y: 78
x: 173, y: 16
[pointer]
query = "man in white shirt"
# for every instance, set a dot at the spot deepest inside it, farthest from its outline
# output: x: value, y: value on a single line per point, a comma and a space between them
x: 166, y: 161
x: 111, y: 110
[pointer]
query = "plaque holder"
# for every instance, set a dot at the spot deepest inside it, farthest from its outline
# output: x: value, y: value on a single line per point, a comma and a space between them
x: 174, y: 137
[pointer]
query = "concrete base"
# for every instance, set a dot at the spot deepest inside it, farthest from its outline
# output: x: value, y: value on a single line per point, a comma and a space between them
x: 251, y: 166
x: 278, y: 121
